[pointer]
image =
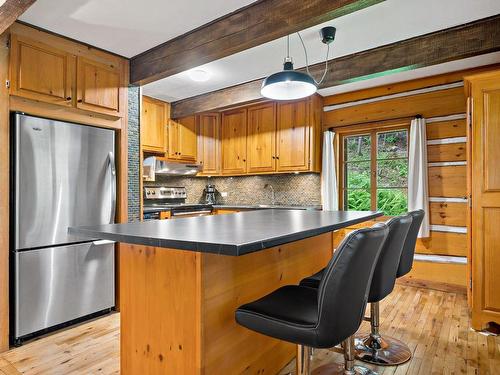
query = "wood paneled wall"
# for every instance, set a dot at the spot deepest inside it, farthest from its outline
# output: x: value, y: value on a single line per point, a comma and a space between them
x: 445, y: 181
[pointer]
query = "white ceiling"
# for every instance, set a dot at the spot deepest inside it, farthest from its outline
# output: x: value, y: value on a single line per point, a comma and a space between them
x: 129, y: 27
x: 384, y: 23
x: 126, y: 27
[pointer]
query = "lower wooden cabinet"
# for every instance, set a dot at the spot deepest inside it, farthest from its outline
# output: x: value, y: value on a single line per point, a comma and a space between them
x: 484, y: 179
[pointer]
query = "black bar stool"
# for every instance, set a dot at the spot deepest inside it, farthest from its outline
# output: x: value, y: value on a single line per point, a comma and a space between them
x: 383, y: 280
x: 325, y: 316
x: 374, y: 348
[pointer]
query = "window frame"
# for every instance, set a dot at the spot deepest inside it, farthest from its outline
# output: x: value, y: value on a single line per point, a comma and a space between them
x: 365, y: 129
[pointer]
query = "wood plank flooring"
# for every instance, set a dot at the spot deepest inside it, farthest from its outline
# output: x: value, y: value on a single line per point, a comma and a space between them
x: 435, y: 324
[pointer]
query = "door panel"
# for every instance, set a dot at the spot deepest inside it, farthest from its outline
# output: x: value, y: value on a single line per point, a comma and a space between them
x: 209, y: 143
x: 293, y: 136
x: 234, y: 147
x: 491, y: 140
x: 186, y: 129
x: 261, y: 138
x: 98, y: 86
x: 153, y: 124
x: 63, y: 179
x: 41, y: 72
x: 57, y: 284
x: 491, y: 259
x: 485, y: 186
x: 173, y: 140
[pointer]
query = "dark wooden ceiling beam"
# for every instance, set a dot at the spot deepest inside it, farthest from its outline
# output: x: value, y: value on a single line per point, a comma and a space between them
x: 468, y: 40
x: 245, y: 28
x: 11, y: 10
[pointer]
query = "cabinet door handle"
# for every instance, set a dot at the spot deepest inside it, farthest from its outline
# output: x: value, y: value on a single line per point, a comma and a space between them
x: 68, y: 98
x: 80, y: 101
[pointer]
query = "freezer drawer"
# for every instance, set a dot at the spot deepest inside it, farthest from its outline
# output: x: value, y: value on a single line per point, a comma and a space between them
x: 58, y: 284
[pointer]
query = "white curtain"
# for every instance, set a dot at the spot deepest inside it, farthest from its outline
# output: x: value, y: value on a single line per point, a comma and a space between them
x: 418, y: 190
x: 329, y: 192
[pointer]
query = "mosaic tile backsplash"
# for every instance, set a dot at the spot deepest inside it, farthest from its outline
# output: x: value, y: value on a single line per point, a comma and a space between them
x: 290, y: 189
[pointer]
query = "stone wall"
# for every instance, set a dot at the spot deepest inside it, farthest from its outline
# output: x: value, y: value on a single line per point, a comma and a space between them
x: 134, y: 195
x: 290, y: 189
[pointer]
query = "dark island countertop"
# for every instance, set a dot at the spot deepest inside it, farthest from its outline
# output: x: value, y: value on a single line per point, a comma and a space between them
x: 236, y: 234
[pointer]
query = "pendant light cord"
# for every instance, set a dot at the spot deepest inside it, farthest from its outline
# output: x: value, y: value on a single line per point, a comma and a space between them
x: 307, y: 59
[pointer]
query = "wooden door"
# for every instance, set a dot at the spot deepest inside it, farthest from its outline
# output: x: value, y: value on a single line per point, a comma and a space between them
x: 209, y: 143
x: 153, y: 121
x: 41, y: 72
x: 98, y: 86
x: 261, y: 138
x: 186, y: 138
x: 234, y: 136
x: 173, y: 140
x: 293, y: 136
x: 485, y: 185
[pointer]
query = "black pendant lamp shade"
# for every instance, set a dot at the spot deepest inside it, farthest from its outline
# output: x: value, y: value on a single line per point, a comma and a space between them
x: 288, y: 84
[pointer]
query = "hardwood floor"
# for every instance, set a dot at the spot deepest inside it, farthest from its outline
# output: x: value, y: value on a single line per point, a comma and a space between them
x: 435, y: 324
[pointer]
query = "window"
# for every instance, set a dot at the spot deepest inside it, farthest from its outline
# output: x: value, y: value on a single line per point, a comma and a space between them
x: 374, y: 171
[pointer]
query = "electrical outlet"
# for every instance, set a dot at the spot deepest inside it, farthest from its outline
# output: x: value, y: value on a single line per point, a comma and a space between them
x: 223, y: 194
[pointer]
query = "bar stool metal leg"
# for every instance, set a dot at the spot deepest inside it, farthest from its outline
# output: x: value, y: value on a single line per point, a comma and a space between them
x: 374, y: 348
x: 303, y: 363
x: 346, y: 368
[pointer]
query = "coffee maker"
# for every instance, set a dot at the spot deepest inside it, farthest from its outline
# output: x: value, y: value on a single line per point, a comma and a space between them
x: 210, y: 194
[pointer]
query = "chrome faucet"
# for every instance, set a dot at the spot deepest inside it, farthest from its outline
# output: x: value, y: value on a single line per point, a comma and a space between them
x: 273, y: 196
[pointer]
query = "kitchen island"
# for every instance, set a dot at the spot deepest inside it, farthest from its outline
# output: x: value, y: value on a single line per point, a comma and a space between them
x: 182, y: 280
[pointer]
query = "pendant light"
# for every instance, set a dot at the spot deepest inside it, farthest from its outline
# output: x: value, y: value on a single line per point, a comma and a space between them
x: 290, y: 84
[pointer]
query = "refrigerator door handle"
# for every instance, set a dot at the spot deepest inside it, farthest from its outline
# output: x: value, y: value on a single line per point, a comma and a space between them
x: 111, y: 158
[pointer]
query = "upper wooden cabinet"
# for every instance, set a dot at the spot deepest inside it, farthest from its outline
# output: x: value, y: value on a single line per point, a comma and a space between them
x: 98, y: 86
x: 55, y: 70
x: 269, y: 137
x: 41, y: 72
x: 261, y: 138
x: 182, y: 142
x: 484, y: 189
x: 234, y: 141
x: 294, y: 130
x: 209, y: 143
x: 154, y: 119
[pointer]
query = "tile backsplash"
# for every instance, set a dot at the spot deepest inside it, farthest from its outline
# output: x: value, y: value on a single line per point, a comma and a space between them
x: 290, y: 189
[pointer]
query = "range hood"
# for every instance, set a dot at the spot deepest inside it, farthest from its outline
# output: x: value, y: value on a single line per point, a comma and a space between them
x: 155, y: 166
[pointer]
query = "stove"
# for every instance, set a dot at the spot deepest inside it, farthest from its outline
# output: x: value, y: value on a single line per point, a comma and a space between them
x: 172, y: 199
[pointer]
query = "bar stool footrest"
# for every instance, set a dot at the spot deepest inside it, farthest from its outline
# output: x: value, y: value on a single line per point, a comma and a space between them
x: 378, y: 350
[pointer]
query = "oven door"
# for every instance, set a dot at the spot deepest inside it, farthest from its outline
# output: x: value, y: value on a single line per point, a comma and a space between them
x: 194, y: 213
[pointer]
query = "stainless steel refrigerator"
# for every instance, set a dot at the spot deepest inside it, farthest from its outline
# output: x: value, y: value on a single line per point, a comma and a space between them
x: 63, y: 175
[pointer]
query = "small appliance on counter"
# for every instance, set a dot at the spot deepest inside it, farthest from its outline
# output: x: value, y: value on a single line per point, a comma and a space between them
x: 172, y: 200
x: 210, y: 192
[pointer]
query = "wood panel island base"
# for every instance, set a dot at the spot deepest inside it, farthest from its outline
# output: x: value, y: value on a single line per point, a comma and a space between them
x: 177, y: 306
x: 177, y: 314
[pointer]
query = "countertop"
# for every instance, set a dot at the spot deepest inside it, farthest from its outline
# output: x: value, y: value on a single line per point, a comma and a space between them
x: 237, y: 234
x: 239, y: 207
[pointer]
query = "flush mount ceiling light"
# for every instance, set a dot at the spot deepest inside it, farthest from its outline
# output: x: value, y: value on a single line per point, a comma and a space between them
x: 290, y: 84
x: 199, y: 75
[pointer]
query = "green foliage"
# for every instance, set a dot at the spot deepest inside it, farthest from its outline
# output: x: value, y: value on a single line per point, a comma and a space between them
x: 392, y: 172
